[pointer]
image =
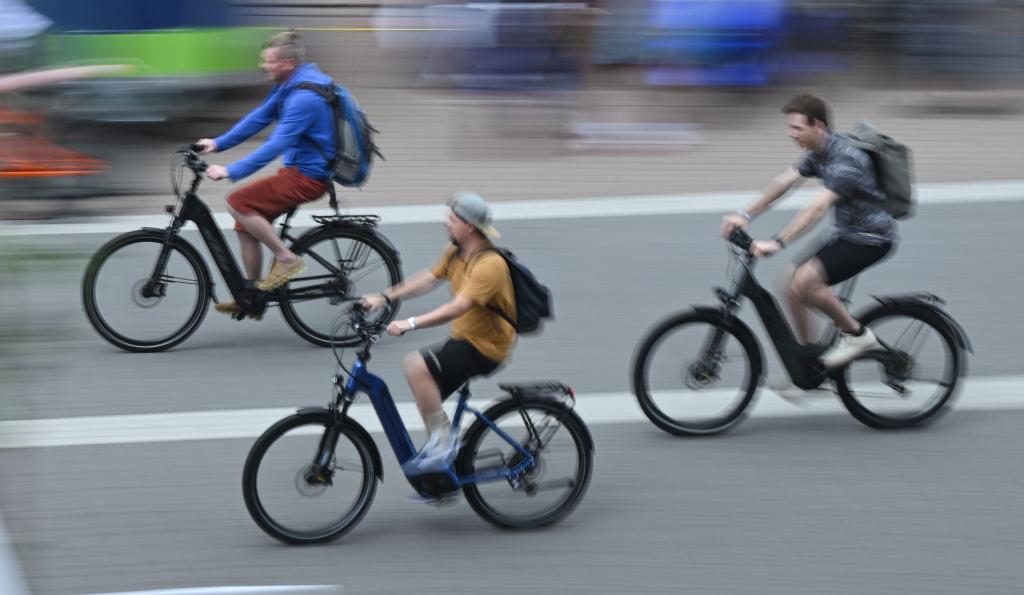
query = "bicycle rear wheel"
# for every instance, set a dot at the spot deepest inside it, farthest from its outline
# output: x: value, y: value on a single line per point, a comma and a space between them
x: 138, y: 308
x: 545, y: 493
x: 911, y: 382
x: 686, y: 387
x: 342, y: 265
x: 294, y: 497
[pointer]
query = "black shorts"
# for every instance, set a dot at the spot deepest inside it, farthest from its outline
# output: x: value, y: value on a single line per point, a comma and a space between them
x: 843, y: 259
x: 454, y: 362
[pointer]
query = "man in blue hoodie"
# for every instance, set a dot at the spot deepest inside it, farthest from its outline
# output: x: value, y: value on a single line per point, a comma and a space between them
x: 304, y: 134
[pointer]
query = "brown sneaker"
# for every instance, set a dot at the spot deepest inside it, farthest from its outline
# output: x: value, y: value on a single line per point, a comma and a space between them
x: 281, y: 273
x: 231, y: 308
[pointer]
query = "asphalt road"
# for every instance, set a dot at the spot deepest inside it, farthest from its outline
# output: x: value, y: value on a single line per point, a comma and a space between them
x: 798, y: 504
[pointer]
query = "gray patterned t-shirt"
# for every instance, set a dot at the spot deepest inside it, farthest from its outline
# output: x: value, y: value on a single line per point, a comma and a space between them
x: 849, y: 172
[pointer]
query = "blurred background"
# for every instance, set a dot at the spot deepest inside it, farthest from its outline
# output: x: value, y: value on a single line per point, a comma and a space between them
x: 652, y: 90
x: 618, y: 99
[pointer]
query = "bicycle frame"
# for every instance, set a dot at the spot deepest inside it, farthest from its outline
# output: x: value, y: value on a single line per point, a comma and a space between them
x: 242, y: 290
x: 802, y: 362
x: 362, y: 381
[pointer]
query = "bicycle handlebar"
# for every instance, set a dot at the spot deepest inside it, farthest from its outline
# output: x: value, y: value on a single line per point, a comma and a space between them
x: 741, y: 239
x: 192, y: 159
x: 370, y: 330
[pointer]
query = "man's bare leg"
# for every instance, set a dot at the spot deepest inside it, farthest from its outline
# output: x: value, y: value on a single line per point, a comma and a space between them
x: 252, y: 255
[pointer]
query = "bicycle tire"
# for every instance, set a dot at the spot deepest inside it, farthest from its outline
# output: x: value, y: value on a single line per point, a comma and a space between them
x: 341, y: 288
x: 874, y: 418
x: 484, y: 505
x: 642, y: 384
x: 254, y: 500
x: 117, y: 337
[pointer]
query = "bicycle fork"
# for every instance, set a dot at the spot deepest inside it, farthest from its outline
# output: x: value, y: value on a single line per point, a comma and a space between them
x: 154, y: 287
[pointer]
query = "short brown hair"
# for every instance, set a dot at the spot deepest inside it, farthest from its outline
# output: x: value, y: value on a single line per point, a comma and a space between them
x: 815, y: 109
x: 288, y: 44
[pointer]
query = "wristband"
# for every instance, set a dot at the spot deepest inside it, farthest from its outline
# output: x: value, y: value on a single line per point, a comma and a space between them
x: 412, y: 323
x: 744, y: 214
x: 779, y: 241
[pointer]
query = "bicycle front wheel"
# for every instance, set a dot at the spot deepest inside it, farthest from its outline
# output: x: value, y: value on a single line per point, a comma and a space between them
x: 308, y: 479
x: 913, y: 380
x: 341, y: 266
x: 695, y: 374
x: 139, y: 306
x: 546, y: 492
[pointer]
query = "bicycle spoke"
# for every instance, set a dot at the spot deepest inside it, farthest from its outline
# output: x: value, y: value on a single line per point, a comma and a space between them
x: 173, y: 279
x: 366, y: 271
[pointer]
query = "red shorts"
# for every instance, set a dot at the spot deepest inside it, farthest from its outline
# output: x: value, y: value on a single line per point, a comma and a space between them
x: 274, y: 196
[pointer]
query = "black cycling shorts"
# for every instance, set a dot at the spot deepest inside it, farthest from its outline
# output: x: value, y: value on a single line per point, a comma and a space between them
x: 843, y: 259
x: 454, y: 362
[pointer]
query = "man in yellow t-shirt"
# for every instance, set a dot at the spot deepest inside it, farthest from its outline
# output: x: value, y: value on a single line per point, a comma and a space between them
x: 481, y: 339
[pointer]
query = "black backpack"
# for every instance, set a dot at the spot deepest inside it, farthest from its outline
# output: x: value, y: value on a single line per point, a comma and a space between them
x: 533, y: 300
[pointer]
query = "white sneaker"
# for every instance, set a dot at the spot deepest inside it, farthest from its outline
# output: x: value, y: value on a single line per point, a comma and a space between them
x: 795, y: 395
x: 435, y: 501
x: 849, y: 347
x: 789, y: 392
x: 437, y: 454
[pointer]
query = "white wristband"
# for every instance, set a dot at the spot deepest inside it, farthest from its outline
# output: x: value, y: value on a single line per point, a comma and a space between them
x: 412, y: 323
x: 744, y: 214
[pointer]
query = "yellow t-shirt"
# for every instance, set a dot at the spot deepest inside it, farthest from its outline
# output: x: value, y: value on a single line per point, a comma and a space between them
x: 486, y: 282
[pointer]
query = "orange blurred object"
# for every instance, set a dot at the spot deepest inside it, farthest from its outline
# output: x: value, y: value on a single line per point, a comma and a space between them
x: 26, y: 153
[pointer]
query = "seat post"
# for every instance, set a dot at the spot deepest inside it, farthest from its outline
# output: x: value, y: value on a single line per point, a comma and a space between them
x: 847, y: 290
x: 287, y: 219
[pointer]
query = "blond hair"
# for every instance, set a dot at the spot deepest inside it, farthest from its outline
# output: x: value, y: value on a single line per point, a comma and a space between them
x: 288, y: 45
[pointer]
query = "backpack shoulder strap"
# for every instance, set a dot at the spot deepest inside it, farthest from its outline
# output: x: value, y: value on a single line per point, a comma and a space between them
x: 326, y: 92
x: 501, y: 313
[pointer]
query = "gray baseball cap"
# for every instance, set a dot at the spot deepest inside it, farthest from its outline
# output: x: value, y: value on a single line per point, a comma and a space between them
x: 475, y: 211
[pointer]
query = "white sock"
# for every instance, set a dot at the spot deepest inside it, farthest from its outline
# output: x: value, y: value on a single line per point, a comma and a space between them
x: 438, y: 423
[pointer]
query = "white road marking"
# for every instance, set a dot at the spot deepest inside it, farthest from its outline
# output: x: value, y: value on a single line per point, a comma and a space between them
x: 978, y: 394
x: 677, y: 204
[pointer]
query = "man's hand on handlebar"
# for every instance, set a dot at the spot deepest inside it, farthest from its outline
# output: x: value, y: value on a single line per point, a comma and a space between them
x: 398, y: 328
x: 208, y: 145
x: 217, y: 172
x: 732, y: 222
x: 765, y: 248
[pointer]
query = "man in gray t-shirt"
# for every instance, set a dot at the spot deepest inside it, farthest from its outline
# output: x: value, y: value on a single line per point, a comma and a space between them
x: 848, y: 171
x: 865, y: 232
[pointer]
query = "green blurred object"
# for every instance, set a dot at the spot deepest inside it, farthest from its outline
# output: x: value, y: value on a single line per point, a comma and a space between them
x: 163, y: 53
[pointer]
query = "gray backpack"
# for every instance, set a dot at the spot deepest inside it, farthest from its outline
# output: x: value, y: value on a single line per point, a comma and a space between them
x: 892, y: 166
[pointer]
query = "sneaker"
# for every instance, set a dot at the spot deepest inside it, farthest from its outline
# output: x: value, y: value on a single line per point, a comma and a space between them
x: 435, y: 456
x: 849, y: 347
x: 793, y: 394
x: 281, y: 273
x: 789, y: 392
x: 435, y: 501
x: 231, y: 308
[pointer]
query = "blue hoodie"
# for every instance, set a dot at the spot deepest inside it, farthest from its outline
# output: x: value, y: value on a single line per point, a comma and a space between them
x: 304, y: 131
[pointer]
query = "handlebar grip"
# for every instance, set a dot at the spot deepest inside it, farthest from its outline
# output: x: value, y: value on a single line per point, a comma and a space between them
x: 741, y: 239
